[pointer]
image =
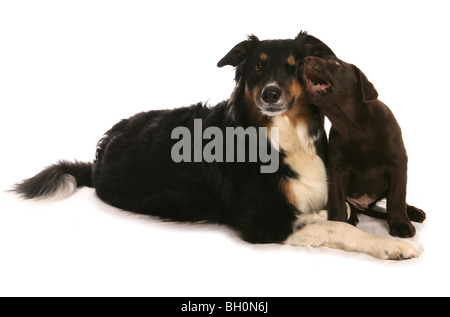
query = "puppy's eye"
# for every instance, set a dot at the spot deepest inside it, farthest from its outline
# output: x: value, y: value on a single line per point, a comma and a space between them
x: 258, y: 67
x: 336, y: 62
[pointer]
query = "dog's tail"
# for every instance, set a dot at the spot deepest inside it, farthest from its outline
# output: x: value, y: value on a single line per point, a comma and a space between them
x: 56, y: 181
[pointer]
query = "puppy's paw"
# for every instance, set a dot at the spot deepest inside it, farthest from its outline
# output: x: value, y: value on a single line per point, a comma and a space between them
x: 402, y: 230
x: 415, y: 214
x: 398, y: 249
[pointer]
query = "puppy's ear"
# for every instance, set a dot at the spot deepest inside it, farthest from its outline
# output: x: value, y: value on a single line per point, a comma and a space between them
x: 313, y: 46
x: 238, y: 53
x: 368, y: 91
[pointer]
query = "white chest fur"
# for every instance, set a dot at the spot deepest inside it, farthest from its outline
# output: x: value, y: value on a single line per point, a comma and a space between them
x: 308, y: 192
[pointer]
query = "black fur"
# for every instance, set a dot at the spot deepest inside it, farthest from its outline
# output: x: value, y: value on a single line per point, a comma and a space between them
x: 133, y: 169
x: 50, y: 179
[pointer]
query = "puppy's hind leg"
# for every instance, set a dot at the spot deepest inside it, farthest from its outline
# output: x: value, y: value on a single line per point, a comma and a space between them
x: 313, y: 230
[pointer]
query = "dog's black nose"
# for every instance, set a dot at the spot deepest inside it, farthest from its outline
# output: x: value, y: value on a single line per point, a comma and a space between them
x: 271, y: 94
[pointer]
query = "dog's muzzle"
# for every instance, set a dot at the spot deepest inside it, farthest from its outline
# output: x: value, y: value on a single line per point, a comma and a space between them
x: 271, y: 94
x: 272, y: 103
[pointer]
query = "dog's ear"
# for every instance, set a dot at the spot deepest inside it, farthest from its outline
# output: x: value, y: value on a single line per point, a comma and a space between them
x: 313, y: 46
x: 238, y: 53
x: 368, y: 91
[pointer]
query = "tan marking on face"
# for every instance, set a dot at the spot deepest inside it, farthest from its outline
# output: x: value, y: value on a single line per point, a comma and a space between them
x: 250, y: 95
x: 296, y: 89
x: 263, y: 57
x: 299, y: 110
x: 291, y: 60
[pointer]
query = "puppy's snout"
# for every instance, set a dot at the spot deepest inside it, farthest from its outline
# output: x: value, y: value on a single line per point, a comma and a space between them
x: 271, y: 94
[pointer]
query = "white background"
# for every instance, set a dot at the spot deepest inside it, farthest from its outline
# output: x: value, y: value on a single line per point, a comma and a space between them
x: 69, y: 70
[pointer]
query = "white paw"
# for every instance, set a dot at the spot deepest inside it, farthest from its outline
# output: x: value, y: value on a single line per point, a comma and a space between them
x: 398, y: 249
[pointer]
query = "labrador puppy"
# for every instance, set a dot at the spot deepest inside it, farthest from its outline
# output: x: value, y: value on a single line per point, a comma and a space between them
x: 367, y: 157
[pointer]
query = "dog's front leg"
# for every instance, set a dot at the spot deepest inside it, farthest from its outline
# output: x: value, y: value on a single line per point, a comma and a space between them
x: 397, y: 217
x: 337, y: 193
x: 313, y: 230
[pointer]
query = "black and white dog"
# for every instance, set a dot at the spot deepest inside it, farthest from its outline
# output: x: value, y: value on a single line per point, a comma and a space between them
x: 272, y: 191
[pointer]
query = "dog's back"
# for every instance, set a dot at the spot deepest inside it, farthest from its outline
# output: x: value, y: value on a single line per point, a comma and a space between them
x: 134, y: 169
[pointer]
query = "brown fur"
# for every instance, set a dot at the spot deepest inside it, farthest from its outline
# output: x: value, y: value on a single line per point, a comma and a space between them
x: 367, y: 157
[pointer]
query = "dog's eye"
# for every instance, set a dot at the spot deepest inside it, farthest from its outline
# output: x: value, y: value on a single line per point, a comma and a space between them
x: 258, y: 67
x: 336, y: 62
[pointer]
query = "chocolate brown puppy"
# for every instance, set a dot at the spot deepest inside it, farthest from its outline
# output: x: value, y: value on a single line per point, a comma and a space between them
x: 367, y: 159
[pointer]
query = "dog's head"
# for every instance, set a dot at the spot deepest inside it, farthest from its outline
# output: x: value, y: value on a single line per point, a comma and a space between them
x: 267, y: 72
x: 329, y: 81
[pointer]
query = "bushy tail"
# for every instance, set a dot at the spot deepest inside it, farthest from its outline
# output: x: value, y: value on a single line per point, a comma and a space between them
x: 56, y: 181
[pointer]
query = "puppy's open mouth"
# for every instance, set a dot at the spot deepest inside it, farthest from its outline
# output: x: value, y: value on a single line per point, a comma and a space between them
x: 317, y: 82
